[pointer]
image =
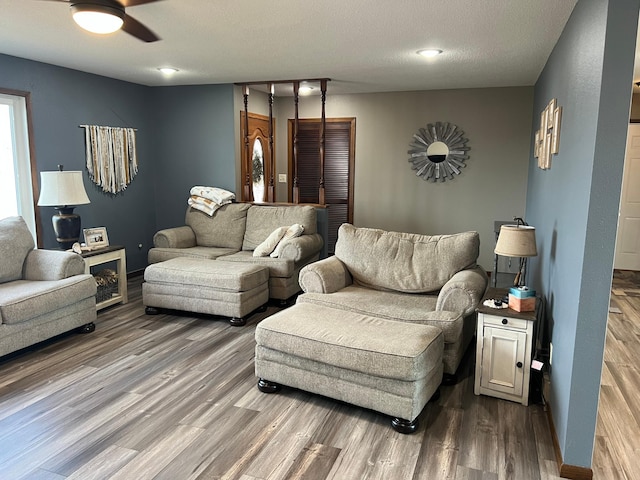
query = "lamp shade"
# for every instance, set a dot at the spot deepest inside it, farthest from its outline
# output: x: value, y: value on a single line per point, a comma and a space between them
x: 516, y: 241
x: 59, y: 189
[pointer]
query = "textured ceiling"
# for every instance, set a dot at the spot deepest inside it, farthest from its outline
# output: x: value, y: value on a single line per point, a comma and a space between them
x: 362, y: 45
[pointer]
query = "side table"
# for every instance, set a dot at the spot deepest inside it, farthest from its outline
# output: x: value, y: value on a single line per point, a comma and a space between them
x: 104, y: 255
x: 503, y: 350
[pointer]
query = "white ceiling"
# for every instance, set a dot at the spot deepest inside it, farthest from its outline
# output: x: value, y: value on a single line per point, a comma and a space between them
x: 362, y: 45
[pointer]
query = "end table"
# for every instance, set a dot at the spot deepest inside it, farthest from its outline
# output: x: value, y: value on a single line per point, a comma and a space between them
x: 503, y: 350
x: 104, y: 255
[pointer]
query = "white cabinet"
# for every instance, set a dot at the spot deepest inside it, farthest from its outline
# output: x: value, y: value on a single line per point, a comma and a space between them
x: 503, y: 354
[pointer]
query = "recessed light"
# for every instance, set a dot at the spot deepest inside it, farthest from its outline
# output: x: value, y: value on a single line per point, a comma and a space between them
x: 168, y: 70
x: 303, y: 89
x: 429, y: 52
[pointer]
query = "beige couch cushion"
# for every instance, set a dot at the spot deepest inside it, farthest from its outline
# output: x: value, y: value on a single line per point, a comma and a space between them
x: 404, y: 262
x: 15, y: 243
x: 224, y: 229
x: 193, y: 272
x: 24, y: 300
x: 262, y: 220
x: 402, y: 307
x: 356, y: 342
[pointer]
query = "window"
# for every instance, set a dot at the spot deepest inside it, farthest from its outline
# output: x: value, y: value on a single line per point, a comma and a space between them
x: 16, y: 175
x: 257, y: 171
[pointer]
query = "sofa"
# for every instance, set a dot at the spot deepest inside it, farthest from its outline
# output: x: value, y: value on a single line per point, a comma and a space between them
x: 235, y: 230
x: 43, y: 293
x: 429, y: 280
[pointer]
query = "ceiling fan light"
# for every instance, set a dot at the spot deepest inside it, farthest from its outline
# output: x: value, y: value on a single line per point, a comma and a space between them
x: 429, y: 52
x: 98, y: 18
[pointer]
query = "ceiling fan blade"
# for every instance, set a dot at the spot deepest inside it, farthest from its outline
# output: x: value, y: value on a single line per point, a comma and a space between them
x: 133, y: 3
x: 138, y: 30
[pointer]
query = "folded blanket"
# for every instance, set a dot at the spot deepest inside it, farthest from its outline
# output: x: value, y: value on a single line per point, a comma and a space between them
x: 218, y: 195
x: 203, y: 204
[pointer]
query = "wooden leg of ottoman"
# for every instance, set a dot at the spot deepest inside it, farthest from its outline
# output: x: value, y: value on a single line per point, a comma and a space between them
x: 241, y: 321
x: 449, y: 379
x: 401, y: 425
x: 266, y: 386
x: 237, y: 321
x: 87, y: 328
x: 405, y: 426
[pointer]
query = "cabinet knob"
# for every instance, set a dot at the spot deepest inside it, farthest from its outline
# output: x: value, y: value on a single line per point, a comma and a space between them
x: 505, y: 321
x: 519, y: 364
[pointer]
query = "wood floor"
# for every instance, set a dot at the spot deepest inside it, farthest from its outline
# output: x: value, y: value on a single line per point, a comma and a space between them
x: 173, y: 396
x: 617, y: 449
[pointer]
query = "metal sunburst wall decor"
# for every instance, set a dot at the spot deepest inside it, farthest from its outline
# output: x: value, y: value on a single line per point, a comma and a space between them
x: 438, y: 151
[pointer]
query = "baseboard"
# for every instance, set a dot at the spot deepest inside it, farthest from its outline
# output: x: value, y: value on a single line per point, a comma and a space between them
x: 572, y: 472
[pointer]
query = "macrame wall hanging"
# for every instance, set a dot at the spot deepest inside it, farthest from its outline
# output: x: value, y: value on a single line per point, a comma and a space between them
x: 111, y: 156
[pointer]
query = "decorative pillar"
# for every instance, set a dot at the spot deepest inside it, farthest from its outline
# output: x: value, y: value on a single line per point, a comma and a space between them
x: 271, y: 190
x: 247, y: 192
x: 323, y: 97
x: 296, y: 190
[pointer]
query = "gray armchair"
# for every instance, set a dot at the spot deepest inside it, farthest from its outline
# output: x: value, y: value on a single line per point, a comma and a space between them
x: 430, y: 280
x: 43, y: 293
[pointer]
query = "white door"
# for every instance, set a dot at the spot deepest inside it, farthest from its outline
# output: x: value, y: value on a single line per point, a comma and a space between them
x: 503, y: 359
x: 627, y: 255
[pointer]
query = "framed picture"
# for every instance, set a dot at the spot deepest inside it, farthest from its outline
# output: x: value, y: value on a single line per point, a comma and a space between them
x: 96, y: 237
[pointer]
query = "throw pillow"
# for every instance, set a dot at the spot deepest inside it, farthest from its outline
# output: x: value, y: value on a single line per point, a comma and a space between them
x: 266, y: 247
x: 293, y: 231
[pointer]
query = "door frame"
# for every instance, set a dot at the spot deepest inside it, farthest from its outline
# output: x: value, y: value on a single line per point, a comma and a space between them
x: 633, y: 129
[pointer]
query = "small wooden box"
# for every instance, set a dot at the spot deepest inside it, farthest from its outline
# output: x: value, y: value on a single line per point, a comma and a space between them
x: 522, y: 304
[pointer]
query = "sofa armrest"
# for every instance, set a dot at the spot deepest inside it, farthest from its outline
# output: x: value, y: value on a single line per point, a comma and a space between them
x: 52, y: 265
x: 302, y: 247
x: 463, y: 291
x: 178, y: 237
x: 325, y: 276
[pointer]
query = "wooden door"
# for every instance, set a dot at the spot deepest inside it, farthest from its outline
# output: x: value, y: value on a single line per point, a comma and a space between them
x: 627, y: 256
x: 338, y: 172
x: 258, y: 142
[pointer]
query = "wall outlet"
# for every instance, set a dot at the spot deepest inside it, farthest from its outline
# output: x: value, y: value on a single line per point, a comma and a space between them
x: 550, y: 354
x: 282, y: 177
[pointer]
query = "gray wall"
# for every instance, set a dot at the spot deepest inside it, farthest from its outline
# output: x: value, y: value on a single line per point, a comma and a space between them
x: 388, y: 194
x: 184, y: 138
x: 194, y: 145
x: 574, y: 206
x: 61, y: 100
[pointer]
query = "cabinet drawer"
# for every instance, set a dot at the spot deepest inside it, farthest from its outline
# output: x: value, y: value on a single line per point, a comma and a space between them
x: 510, y: 322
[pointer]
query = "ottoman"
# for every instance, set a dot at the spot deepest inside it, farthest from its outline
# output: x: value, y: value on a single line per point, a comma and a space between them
x: 388, y: 366
x: 206, y: 286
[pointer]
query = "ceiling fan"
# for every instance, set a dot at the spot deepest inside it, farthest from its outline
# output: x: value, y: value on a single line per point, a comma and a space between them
x: 107, y: 16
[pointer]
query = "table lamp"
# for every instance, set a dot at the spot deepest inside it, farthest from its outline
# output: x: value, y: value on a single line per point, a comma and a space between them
x: 517, y: 241
x: 63, y: 190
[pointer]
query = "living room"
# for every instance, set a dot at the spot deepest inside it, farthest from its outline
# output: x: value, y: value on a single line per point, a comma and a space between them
x: 188, y: 135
